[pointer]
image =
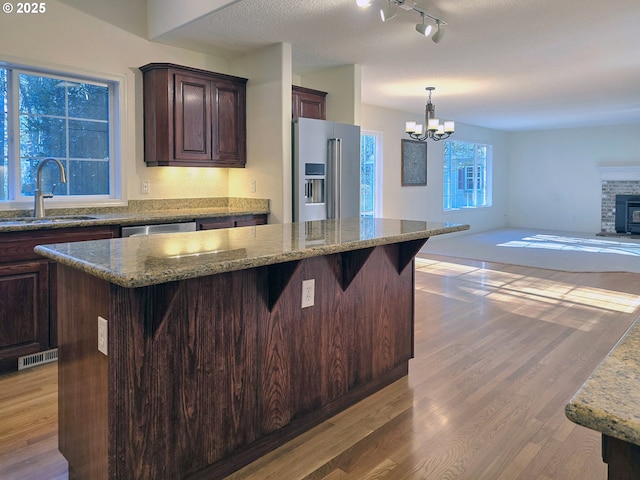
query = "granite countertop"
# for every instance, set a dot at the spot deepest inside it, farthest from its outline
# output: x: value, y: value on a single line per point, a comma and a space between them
x: 149, y: 260
x: 609, y: 401
x: 20, y: 224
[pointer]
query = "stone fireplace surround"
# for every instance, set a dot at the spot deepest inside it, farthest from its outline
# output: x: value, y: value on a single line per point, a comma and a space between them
x: 623, y: 180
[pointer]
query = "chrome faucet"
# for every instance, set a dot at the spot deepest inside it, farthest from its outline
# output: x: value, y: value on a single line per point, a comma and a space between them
x: 38, y: 211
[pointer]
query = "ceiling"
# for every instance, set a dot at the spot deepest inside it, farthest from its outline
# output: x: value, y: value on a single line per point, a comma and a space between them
x: 505, y: 64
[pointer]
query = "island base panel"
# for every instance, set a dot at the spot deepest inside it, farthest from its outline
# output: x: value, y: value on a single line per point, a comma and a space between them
x: 82, y: 374
x: 204, y: 375
x: 622, y: 459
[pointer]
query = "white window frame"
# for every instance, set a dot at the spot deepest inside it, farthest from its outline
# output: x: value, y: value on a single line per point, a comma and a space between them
x: 488, y: 187
x: 117, y: 96
x: 377, y: 207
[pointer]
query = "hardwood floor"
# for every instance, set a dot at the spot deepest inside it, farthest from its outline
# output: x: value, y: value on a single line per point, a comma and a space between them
x: 499, y: 350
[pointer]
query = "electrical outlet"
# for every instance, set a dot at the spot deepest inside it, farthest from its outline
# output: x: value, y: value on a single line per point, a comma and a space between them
x: 254, y: 186
x: 308, y: 292
x: 102, y: 335
x: 146, y: 187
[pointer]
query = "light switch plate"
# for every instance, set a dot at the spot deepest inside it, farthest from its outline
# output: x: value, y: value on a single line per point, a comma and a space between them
x: 102, y: 336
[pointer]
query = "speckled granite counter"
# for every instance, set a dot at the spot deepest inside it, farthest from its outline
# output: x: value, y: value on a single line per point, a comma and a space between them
x: 149, y: 260
x: 137, y: 213
x: 609, y: 401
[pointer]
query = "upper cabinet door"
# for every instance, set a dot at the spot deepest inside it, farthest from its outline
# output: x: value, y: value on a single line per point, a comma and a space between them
x: 308, y: 103
x: 229, y: 140
x: 193, y: 118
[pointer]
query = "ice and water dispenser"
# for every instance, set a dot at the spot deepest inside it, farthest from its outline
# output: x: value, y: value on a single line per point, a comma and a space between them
x: 314, y: 183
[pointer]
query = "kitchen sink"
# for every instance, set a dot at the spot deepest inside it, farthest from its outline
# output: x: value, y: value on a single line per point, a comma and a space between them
x: 50, y: 219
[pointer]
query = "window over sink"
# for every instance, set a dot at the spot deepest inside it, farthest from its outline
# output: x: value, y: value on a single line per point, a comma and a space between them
x: 72, y: 118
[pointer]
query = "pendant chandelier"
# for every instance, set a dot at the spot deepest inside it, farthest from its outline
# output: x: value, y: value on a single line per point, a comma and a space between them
x: 432, y: 127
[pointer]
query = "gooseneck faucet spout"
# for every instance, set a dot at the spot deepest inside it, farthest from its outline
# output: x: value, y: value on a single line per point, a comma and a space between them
x: 38, y: 211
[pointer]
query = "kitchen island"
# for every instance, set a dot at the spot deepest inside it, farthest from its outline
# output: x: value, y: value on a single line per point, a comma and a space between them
x: 609, y: 403
x: 212, y: 359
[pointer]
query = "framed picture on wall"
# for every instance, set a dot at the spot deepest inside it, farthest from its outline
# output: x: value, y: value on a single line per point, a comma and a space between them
x: 414, y: 163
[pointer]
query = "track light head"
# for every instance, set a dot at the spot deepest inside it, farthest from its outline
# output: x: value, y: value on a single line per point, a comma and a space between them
x: 438, y: 35
x: 388, y: 13
x: 423, y: 28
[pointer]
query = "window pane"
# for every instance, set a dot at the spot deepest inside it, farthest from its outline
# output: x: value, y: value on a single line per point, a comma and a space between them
x: 88, y: 101
x: 42, y: 137
x: 68, y: 121
x: 42, y: 95
x: 368, y: 157
x: 50, y: 177
x: 88, y: 177
x: 88, y: 139
x: 466, y: 169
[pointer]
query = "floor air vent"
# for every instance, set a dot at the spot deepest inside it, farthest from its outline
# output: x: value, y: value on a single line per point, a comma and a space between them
x: 36, y: 359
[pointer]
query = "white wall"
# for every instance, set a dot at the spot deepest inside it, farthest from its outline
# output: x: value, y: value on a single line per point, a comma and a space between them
x: 268, y: 130
x: 554, y: 182
x: 66, y: 38
x: 344, y: 91
x: 425, y: 202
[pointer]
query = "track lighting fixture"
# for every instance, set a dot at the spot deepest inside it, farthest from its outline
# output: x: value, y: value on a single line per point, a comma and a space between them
x: 391, y: 10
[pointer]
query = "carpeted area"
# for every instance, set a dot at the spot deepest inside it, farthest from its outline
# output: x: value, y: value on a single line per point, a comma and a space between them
x: 571, y: 252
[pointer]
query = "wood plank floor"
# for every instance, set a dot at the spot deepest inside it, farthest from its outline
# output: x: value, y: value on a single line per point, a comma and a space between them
x: 499, y: 349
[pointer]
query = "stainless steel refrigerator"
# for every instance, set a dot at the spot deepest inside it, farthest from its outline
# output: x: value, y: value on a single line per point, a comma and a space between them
x: 326, y: 170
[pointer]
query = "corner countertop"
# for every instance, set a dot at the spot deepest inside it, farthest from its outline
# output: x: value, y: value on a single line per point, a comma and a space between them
x: 609, y: 401
x: 154, y: 259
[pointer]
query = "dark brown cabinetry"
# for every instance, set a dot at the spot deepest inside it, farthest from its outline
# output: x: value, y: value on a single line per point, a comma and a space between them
x: 193, y: 117
x: 230, y: 222
x: 308, y: 103
x: 24, y: 311
x: 28, y: 316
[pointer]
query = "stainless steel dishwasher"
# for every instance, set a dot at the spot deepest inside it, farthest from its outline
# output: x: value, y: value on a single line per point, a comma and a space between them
x: 157, y: 229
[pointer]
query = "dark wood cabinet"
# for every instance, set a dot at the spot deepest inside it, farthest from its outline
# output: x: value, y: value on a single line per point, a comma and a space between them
x: 24, y: 311
x: 230, y: 222
x: 28, y: 303
x: 308, y: 103
x: 193, y: 117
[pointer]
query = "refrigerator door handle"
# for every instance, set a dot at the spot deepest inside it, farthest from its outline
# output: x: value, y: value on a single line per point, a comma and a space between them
x: 334, y: 161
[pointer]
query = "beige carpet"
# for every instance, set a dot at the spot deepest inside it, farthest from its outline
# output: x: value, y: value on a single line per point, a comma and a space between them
x: 567, y: 251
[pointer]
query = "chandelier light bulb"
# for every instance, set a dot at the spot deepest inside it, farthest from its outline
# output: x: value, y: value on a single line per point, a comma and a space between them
x: 449, y: 126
